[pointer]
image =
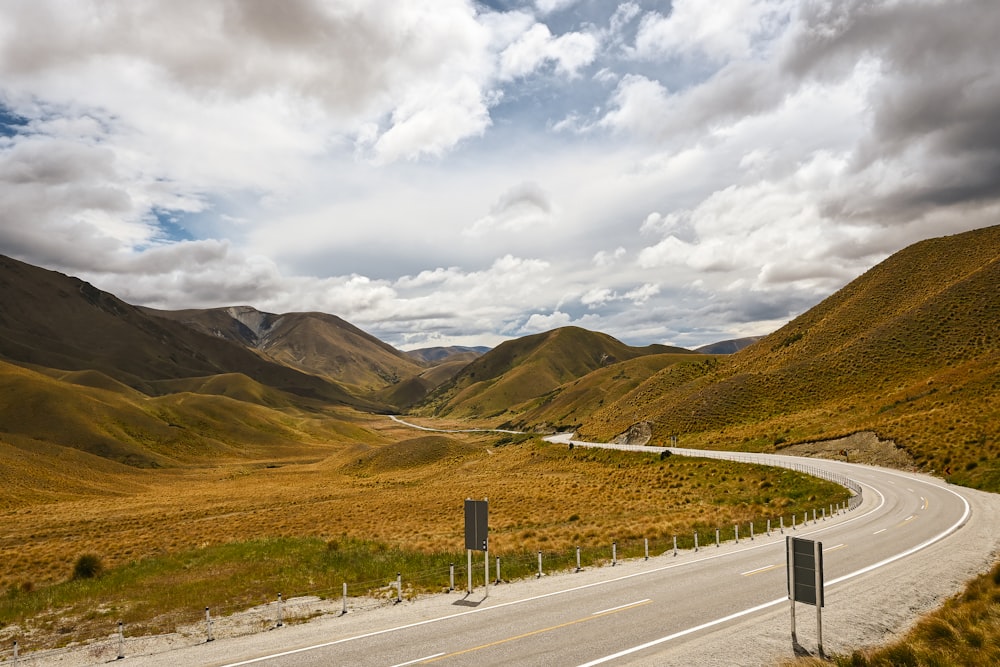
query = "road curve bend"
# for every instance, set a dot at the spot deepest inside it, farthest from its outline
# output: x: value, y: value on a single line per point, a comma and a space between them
x: 910, y: 542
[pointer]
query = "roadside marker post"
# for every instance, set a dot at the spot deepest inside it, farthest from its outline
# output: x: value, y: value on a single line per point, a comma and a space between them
x: 121, y: 641
x: 804, y: 564
x: 208, y: 625
x: 477, y: 536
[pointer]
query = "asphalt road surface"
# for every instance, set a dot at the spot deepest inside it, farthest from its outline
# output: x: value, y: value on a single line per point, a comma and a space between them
x: 911, y: 541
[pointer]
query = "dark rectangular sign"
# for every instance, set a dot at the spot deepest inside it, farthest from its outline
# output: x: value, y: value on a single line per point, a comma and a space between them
x: 801, y: 560
x: 476, y: 524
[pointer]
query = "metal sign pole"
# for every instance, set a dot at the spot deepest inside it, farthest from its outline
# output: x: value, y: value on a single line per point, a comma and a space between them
x: 486, y: 579
x: 817, y: 546
x: 469, y: 570
x: 790, y: 558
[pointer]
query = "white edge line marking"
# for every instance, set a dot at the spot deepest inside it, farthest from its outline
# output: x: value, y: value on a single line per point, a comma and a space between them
x: 668, y: 638
x: 621, y: 606
x: 375, y: 633
x: 882, y: 530
x: 954, y: 527
x: 418, y: 660
x: 912, y: 550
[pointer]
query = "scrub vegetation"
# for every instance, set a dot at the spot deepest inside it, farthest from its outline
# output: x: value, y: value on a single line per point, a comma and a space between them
x: 233, y: 534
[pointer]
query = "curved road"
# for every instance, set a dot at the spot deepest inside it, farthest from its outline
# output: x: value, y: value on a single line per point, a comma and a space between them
x: 911, y: 541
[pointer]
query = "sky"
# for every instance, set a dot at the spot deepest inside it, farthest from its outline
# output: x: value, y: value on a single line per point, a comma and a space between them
x: 451, y: 172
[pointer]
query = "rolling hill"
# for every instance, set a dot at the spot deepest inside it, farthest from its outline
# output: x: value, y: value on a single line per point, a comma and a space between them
x: 314, y: 343
x: 526, y: 368
x: 909, y: 350
x: 50, y: 320
x: 437, y: 355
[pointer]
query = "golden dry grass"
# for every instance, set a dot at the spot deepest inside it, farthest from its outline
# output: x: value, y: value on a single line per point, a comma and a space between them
x: 168, y: 537
x: 964, y: 632
x: 408, y: 493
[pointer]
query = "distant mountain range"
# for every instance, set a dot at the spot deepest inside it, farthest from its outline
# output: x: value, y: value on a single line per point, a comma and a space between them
x: 909, y: 350
x: 728, y: 346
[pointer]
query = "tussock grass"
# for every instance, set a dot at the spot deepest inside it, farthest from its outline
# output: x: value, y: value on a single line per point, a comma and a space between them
x: 232, y: 535
x: 909, y: 353
x: 964, y: 632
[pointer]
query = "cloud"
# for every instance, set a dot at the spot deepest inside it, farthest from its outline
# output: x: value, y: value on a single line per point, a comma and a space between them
x: 933, y: 132
x: 549, y: 6
x: 604, y: 259
x: 423, y: 76
x: 454, y: 172
x: 523, y: 206
x: 718, y: 31
x: 568, y: 53
x: 537, y: 323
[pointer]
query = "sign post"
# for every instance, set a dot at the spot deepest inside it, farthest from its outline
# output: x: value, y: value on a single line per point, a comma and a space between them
x: 477, y: 535
x: 804, y: 563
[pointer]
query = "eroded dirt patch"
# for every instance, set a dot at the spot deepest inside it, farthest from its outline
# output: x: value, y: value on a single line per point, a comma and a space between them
x: 864, y: 447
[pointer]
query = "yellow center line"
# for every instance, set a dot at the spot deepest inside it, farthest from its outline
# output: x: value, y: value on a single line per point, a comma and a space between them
x: 834, y: 548
x: 537, y: 632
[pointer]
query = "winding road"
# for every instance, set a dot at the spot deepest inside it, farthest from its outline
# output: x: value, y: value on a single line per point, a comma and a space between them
x: 912, y: 540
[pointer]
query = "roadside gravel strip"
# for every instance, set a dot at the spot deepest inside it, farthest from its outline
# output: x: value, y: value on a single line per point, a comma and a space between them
x: 874, y: 591
x: 865, y: 608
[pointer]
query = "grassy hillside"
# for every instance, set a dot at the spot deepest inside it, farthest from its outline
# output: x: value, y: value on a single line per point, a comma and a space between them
x: 567, y: 406
x: 314, y: 343
x: 219, y: 418
x: 910, y: 350
x: 526, y: 368
x: 51, y: 320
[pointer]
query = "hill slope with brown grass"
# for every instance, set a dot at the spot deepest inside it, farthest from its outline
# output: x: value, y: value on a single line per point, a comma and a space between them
x: 50, y: 320
x: 215, y: 419
x: 909, y: 350
x: 525, y: 368
x: 314, y: 343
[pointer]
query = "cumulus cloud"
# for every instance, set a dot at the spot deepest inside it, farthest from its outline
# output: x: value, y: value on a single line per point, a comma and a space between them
x: 686, y: 174
x: 537, y: 323
x: 719, y: 31
x: 520, y: 208
x: 568, y: 53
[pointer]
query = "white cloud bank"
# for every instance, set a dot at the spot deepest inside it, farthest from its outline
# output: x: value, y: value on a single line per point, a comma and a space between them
x: 452, y: 173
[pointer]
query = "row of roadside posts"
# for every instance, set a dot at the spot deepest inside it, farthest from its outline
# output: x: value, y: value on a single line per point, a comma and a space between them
x: 804, y: 565
x: 803, y: 560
